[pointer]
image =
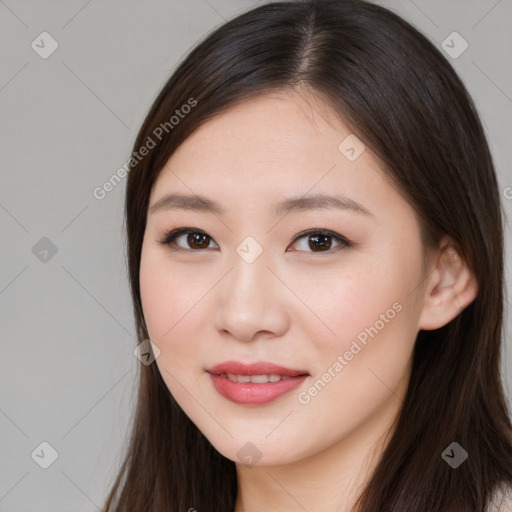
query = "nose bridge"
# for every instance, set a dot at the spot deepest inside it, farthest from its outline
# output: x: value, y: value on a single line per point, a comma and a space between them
x: 249, y: 301
x: 250, y: 280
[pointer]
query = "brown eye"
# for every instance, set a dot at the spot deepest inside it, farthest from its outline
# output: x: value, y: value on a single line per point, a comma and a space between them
x: 198, y: 240
x: 318, y: 240
x: 187, y: 239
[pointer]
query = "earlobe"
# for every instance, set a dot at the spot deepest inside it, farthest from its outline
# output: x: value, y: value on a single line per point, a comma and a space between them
x: 451, y: 287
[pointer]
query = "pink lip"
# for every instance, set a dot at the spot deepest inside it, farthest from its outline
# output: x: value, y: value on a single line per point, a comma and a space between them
x: 249, y: 393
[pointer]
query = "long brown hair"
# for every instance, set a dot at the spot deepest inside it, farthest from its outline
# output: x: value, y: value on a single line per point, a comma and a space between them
x: 402, y: 98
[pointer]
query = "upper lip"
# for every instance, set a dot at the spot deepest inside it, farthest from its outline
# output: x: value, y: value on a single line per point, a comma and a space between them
x: 259, y: 368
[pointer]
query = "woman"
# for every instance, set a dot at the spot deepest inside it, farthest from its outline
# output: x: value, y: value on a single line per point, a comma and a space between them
x: 315, y: 252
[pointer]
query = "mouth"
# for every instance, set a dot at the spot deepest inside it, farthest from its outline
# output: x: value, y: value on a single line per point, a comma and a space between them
x: 255, y: 379
x: 256, y: 383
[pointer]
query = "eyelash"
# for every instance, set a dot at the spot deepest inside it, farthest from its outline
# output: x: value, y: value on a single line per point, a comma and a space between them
x: 175, y: 233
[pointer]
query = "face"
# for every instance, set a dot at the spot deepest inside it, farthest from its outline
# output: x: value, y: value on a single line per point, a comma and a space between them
x: 266, y: 272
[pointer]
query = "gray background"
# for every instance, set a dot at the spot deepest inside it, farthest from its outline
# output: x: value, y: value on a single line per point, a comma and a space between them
x: 67, y: 372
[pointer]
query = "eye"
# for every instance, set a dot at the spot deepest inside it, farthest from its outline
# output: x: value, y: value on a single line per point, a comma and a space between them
x: 195, y: 238
x: 321, y: 240
x: 318, y: 240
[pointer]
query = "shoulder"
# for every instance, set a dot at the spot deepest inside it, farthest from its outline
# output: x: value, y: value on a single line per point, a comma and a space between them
x: 501, y: 500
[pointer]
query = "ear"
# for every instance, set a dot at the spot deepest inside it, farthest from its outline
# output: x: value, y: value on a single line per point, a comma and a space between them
x: 451, y: 286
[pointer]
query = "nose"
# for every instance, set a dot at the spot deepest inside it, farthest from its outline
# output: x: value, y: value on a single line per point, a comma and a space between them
x: 252, y: 302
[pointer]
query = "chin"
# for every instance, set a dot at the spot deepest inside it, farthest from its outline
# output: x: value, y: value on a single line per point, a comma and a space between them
x: 255, y: 450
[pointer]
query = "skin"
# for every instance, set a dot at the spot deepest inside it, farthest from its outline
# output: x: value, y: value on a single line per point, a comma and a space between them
x: 293, y: 306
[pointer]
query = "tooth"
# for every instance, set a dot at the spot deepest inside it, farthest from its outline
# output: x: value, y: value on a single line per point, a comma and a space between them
x: 256, y: 379
x: 259, y: 379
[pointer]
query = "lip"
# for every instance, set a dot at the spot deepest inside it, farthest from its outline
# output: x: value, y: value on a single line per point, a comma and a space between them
x: 259, y: 368
x: 249, y: 393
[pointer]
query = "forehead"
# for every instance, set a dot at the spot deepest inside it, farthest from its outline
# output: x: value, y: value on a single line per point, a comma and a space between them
x: 270, y: 146
x: 278, y: 127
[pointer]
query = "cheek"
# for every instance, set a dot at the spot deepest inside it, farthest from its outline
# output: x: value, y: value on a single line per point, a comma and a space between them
x: 367, y: 311
x: 167, y: 302
x: 169, y: 313
x: 369, y: 354
x: 346, y: 302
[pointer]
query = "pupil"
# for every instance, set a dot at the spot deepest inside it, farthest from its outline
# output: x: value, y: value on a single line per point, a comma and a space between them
x: 319, y: 242
x: 198, y: 240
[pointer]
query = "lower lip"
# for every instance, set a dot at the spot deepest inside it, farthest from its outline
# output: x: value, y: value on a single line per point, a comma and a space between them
x: 248, y: 393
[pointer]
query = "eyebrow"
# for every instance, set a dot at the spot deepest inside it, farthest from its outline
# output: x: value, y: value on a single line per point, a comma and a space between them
x: 310, y: 202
